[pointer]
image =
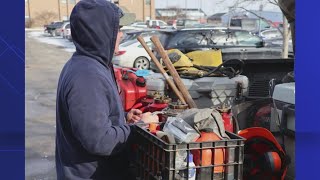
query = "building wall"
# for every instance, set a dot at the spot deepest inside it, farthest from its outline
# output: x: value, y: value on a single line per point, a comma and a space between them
x: 43, y: 12
x: 141, y: 8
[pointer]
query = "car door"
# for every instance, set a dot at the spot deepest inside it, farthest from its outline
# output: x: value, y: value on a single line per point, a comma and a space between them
x: 141, y: 51
x: 162, y: 25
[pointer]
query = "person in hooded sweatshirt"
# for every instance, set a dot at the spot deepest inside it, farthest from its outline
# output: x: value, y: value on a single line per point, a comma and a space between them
x: 92, y: 130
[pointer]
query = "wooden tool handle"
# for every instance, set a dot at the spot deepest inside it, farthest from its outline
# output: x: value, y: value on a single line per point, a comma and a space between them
x: 173, y: 72
x: 164, y: 73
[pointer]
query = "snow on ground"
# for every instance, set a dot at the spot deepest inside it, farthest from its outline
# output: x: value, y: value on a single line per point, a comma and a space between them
x: 57, y: 41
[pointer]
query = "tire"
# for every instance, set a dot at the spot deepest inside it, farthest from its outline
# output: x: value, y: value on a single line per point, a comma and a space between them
x: 141, y: 63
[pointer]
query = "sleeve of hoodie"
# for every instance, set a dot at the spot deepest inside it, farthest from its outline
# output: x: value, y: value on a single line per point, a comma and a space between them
x: 89, y: 110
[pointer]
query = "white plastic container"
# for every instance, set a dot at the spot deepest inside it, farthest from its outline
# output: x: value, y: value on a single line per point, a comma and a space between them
x: 191, y: 174
x: 283, y: 95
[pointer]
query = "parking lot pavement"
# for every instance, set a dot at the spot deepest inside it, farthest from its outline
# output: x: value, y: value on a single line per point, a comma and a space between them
x: 58, y: 41
x: 44, y: 62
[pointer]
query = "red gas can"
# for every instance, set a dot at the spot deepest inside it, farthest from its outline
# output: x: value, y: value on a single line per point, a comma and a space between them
x: 117, y: 73
x: 227, y: 119
x: 159, y: 104
x: 132, y: 89
x: 226, y: 115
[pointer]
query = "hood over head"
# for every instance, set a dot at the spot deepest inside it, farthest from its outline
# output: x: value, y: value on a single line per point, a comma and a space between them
x: 94, y: 27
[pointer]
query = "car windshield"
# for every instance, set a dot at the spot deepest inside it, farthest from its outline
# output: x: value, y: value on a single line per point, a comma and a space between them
x: 245, y: 38
x: 184, y: 39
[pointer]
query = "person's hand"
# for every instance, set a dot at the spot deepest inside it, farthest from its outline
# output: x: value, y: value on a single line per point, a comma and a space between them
x: 149, y: 118
x: 134, y: 115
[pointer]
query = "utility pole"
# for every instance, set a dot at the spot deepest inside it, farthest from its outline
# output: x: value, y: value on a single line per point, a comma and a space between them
x: 150, y: 6
x: 67, y: 1
x: 59, y: 11
x: 143, y: 13
x: 29, y: 13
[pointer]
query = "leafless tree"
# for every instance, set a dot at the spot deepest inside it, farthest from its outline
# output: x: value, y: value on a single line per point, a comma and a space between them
x: 45, y: 17
x: 29, y: 23
x: 240, y: 4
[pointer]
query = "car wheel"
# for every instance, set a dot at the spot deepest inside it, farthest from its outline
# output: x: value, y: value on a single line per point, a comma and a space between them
x: 141, y: 63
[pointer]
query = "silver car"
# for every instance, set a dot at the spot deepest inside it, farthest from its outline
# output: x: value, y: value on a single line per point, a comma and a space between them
x: 60, y: 31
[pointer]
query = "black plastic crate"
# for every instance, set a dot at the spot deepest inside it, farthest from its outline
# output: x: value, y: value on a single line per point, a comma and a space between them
x: 156, y: 159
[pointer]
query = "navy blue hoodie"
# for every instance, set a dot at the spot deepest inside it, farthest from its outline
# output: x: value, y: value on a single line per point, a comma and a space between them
x: 91, y: 135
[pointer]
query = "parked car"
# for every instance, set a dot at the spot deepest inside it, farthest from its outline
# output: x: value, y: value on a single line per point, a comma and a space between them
x: 273, y: 38
x: 59, y: 31
x: 172, y: 23
x: 131, y: 35
x: 271, y: 34
x: 132, y: 54
x: 52, y: 27
x: 139, y: 25
x: 67, y: 33
x: 186, y: 23
x: 234, y: 44
x: 46, y: 25
x: 249, y: 24
x: 158, y: 24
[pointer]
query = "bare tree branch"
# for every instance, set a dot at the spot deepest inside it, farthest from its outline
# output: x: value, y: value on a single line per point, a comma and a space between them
x: 274, y: 2
x: 240, y: 4
x: 261, y: 18
x: 45, y: 17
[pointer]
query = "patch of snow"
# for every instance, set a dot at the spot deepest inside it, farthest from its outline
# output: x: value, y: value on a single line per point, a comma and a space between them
x: 57, y: 41
x: 34, y: 29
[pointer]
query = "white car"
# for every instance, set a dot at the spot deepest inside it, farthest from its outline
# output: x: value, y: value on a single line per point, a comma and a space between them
x: 66, y: 32
x: 271, y: 34
x: 158, y: 24
x: 60, y: 31
x: 132, y: 54
x: 139, y: 25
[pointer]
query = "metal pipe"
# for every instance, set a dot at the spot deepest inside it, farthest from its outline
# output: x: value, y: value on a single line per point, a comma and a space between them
x: 29, y: 13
